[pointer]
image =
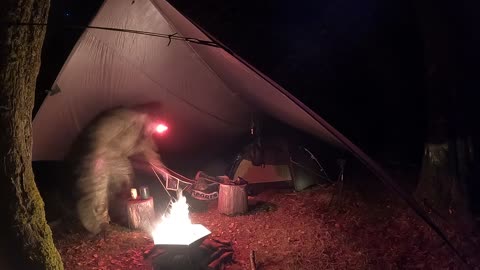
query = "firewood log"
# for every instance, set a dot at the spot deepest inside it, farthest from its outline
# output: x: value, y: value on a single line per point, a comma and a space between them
x: 141, y: 214
x: 232, y: 199
x: 220, y: 262
x: 214, y: 244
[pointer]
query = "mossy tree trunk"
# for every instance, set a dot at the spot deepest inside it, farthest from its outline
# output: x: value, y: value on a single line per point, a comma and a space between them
x: 441, y: 186
x: 26, y: 238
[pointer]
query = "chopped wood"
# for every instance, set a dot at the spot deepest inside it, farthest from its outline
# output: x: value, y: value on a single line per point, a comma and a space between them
x: 217, y: 264
x: 141, y: 214
x: 213, y: 244
x: 232, y: 199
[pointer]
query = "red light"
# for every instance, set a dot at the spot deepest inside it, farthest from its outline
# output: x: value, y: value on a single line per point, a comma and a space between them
x: 161, y: 128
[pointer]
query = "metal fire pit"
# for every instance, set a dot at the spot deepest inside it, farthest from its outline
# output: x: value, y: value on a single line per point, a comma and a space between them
x: 194, y: 253
x: 198, y: 234
x: 180, y: 255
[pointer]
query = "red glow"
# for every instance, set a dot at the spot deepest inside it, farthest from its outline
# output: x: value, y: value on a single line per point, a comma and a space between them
x: 161, y: 128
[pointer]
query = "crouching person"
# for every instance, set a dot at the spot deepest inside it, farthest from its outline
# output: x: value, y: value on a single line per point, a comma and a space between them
x: 100, y: 165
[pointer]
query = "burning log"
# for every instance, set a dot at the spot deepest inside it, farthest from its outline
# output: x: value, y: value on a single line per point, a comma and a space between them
x: 141, y: 214
x: 232, y: 199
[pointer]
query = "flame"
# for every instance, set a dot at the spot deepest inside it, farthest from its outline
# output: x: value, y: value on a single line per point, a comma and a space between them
x: 176, y: 228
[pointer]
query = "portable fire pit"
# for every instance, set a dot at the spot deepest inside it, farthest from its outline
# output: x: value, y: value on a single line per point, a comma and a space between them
x: 179, y: 244
x: 199, y: 253
x: 191, y: 237
x: 178, y: 252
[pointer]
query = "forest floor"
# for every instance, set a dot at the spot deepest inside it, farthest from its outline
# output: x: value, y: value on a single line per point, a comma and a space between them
x: 293, y: 230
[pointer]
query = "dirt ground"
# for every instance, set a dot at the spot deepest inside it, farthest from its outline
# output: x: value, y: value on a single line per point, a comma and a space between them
x: 292, y: 230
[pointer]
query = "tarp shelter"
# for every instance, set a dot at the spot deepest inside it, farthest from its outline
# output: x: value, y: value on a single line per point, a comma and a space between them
x: 208, y: 93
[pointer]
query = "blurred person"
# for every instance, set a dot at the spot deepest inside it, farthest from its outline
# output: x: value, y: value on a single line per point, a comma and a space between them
x: 100, y: 165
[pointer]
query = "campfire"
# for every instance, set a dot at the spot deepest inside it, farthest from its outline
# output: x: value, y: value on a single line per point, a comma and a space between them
x: 180, y: 244
x: 176, y: 228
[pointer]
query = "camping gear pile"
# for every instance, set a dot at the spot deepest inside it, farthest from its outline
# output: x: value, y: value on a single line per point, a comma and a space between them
x: 204, y: 187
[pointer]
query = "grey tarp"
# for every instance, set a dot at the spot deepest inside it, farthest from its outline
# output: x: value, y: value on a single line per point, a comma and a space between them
x: 204, y: 90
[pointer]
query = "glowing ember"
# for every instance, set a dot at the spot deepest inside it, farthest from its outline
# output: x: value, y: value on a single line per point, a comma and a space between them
x: 161, y: 128
x: 176, y: 228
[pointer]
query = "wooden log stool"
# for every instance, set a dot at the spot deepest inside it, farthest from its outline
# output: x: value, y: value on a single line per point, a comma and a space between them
x: 232, y: 199
x: 141, y: 214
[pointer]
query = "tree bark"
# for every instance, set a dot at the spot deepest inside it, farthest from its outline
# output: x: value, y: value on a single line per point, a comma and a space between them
x: 26, y: 238
x: 441, y: 186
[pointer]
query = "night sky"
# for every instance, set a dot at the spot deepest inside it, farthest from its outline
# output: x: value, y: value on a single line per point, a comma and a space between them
x: 359, y: 64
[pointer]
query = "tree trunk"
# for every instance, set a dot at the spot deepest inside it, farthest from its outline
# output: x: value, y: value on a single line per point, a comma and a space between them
x: 26, y: 237
x: 441, y: 186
